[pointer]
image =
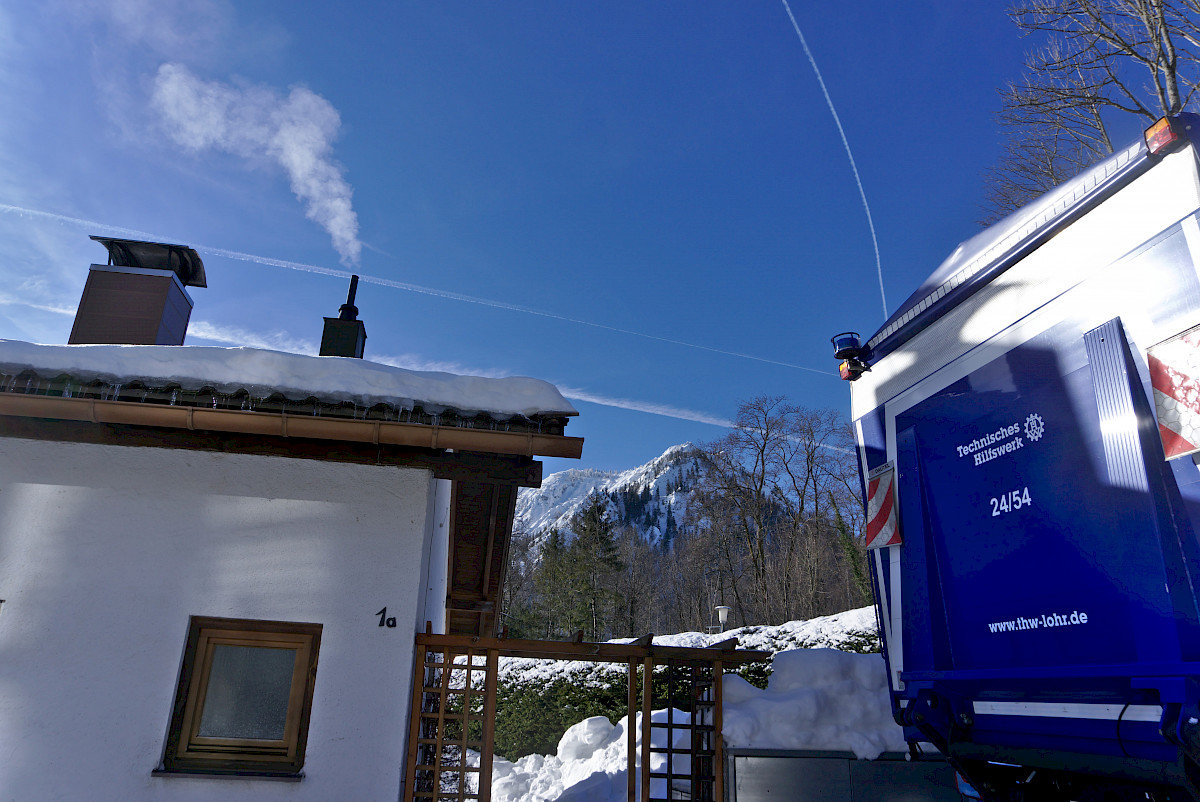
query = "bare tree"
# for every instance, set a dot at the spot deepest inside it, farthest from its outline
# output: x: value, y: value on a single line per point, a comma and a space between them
x: 636, y: 584
x: 1098, y: 58
x: 773, y: 541
x: 517, y: 600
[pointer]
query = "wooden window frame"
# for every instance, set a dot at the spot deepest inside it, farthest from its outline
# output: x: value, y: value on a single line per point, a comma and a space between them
x: 188, y: 752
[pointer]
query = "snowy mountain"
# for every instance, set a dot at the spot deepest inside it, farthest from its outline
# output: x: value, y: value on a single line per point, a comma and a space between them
x: 653, y: 498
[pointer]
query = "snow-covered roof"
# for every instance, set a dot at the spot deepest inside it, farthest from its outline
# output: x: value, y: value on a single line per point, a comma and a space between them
x: 255, y: 374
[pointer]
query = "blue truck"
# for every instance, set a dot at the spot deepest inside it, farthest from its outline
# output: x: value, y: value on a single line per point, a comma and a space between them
x: 1028, y: 435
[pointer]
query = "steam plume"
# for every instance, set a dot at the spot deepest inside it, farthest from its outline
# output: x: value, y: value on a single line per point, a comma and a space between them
x: 296, y: 131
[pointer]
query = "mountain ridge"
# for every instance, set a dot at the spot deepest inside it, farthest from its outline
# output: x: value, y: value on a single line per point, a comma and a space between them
x: 653, y: 498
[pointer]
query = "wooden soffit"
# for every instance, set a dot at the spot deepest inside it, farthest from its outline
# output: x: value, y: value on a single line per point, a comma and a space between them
x: 481, y: 521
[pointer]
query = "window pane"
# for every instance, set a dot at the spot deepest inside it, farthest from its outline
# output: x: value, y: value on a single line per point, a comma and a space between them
x: 248, y: 689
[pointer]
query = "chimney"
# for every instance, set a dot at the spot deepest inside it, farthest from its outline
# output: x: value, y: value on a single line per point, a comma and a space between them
x: 139, y: 297
x: 345, y: 335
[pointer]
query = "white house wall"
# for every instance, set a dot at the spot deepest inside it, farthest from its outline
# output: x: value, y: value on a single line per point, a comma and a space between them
x: 106, y: 551
x: 435, y: 572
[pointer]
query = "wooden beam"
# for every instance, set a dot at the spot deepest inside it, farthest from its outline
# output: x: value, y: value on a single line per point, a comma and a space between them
x: 414, y: 723
x: 491, y: 681
x: 460, y: 466
x: 631, y: 730
x: 718, y: 740
x: 595, y: 652
x: 647, y: 706
x: 281, y: 424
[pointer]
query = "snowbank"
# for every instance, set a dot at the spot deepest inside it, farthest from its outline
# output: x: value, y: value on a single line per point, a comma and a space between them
x: 846, y: 631
x: 262, y: 373
x: 815, y: 699
x: 590, y: 765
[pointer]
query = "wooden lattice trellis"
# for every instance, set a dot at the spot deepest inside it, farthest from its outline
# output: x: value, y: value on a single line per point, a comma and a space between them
x: 454, y: 714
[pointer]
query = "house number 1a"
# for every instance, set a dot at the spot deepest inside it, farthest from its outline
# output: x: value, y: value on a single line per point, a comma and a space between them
x: 385, y: 620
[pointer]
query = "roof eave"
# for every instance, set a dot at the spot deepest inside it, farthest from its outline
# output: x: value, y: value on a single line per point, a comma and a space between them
x: 528, y: 444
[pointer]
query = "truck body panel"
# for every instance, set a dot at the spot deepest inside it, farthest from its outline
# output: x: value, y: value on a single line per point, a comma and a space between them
x: 1041, y: 609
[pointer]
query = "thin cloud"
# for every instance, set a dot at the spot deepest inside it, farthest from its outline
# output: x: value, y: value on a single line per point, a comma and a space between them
x: 649, y: 407
x: 163, y: 28
x: 235, y: 335
x: 8, y: 300
x: 419, y: 365
x: 296, y: 132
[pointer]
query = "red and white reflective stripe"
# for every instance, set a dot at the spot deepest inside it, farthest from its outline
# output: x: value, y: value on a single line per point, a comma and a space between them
x: 882, y: 523
x: 1175, y: 377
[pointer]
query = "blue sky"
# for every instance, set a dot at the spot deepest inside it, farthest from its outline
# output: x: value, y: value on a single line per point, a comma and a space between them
x: 648, y: 204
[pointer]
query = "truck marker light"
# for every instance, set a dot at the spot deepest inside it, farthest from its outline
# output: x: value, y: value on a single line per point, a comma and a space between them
x: 851, y: 369
x: 847, y: 347
x: 1162, y: 136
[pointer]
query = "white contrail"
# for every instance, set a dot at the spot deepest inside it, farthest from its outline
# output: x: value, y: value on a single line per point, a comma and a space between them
x: 650, y: 408
x: 457, y: 296
x: 664, y: 410
x: 399, y: 285
x: 846, y: 144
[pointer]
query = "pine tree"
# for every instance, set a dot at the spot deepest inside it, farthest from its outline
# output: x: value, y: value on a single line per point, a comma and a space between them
x: 670, y: 530
x: 554, y: 603
x: 594, y: 562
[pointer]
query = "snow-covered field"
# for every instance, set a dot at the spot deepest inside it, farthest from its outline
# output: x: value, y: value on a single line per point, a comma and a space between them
x: 817, y: 698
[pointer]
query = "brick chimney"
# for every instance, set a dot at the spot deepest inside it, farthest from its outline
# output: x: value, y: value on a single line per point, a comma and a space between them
x: 139, y: 297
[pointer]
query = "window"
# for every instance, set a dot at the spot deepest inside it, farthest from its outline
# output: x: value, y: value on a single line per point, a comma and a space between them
x: 244, y: 695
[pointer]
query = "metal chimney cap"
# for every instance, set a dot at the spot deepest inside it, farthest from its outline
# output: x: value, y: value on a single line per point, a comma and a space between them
x: 181, y: 260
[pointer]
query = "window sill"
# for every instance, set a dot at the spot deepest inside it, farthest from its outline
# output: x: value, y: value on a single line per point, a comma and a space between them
x: 236, y: 774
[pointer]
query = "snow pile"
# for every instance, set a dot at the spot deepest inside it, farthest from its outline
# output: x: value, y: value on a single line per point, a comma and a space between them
x: 815, y: 699
x: 590, y: 765
x: 262, y: 373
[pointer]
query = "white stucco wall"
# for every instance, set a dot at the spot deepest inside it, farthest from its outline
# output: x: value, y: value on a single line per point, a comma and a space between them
x: 106, y: 551
x: 435, y: 576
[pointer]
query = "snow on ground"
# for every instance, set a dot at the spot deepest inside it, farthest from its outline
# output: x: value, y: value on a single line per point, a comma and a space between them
x: 589, y: 766
x: 265, y: 372
x: 843, y: 630
x: 816, y: 698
